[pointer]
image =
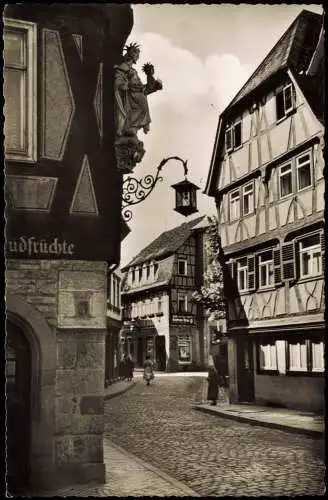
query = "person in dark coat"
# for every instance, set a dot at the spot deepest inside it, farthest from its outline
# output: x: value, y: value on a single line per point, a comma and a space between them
x: 129, y: 366
x: 213, y: 385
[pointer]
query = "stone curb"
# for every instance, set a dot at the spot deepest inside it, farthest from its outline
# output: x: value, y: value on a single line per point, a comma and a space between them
x: 251, y: 421
x: 117, y: 393
x: 155, y: 470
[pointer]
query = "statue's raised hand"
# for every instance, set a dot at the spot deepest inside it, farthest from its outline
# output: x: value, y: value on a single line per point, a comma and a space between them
x: 148, y: 69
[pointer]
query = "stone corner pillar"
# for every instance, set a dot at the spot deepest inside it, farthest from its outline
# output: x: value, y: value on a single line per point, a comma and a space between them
x: 79, y: 412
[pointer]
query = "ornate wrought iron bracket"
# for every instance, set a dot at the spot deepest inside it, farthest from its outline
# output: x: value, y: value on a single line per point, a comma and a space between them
x: 137, y: 190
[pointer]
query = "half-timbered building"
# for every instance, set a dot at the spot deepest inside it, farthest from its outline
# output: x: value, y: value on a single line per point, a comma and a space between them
x: 160, y: 317
x: 114, y: 324
x: 267, y: 178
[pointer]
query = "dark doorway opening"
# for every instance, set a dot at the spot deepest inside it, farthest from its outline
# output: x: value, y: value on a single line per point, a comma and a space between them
x: 245, y: 371
x: 160, y: 353
x: 18, y: 406
x: 140, y: 350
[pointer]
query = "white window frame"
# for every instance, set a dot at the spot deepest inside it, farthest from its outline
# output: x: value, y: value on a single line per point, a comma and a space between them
x: 270, y: 354
x: 248, y: 190
x: 287, y: 172
x: 30, y: 29
x: 321, y: 368
x: 185, y: 341
x: 284, y: 90
x: 310, y: 250
x: 232, y: 203
x: 243, y: 269
x: 185, y: 265
x: 289, y: 86
x: 184, y: 297
x: 229, y: 131
x: 234, y: 134
x: 299, y: 166
x: 159, y: 305
x: 266, y: 264
x: 299, y: 367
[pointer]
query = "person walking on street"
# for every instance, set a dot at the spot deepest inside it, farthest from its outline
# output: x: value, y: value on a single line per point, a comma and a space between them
x: 213, y: 385
x: 129, y: 366
x: 148, y: 370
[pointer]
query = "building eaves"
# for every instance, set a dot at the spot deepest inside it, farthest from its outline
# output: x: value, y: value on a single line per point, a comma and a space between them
x: 165, y: 244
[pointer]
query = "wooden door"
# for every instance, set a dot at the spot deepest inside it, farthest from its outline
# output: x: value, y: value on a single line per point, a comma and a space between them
x: 245, y: 371
x: 18, y: 406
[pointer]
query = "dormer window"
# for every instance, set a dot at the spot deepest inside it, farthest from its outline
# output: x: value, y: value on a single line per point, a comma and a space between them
x: 285, y: 101
x: 233, y: 136
x: 133, y: 275
x: 147, y: 271
x: 155, y: 269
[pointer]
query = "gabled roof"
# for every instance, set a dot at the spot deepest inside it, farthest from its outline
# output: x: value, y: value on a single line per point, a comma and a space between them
x: 166, y: 244
x: 293, y: 50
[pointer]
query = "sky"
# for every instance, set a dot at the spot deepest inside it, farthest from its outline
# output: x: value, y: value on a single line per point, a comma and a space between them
x: 203, y: 54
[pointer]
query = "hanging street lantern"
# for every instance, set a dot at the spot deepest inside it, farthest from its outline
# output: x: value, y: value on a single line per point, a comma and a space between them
x: 185, y: 197
x: 135, y: 191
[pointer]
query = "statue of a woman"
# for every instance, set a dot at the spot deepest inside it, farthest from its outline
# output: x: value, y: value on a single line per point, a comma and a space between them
x: 132, y: 112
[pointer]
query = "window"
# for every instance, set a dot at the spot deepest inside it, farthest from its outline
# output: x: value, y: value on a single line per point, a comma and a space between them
x: 184, y: 348
x: 242, y: 274
x: 284, y: 101
x: 248, y: 198
x: 155, y: 269
x: 303, y: 168
x: 317, y: 356
x: 285, y: 180
x: 139, y: 273
x: 182, y: 302
x: 147, y: 271
x: 267, y: 355
x: 234, y: 205
x: 133, y: 275
x: 229, y: 140
x: 266, y: 273
x: 237, y: 135
x: 20, y: 89
x: 159, y: 305
x: 297, y: 355
x: 310, y: 256
x: 185, y: 198
x: 182, y: 266
x: 233, y: 136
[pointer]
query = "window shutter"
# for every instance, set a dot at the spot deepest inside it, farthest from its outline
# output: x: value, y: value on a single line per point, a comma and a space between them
x: 277, y: 265
x: 251, y: 272
x: 322, y: 244
x: 288, y: 261
x: 232, y: 268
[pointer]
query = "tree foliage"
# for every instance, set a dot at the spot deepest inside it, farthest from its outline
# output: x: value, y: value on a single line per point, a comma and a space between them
x: 211, y: 294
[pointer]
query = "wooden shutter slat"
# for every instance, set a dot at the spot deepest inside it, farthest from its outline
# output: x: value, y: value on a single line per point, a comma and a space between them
x: 288, y: 261
x: 251, y: 272
x: 322, y: 246
x: 277, y: 265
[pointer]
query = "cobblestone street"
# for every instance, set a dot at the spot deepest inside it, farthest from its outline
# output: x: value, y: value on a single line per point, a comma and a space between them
x: 209, y: 454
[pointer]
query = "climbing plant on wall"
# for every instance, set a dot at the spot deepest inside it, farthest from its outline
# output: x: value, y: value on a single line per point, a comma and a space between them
x: 211, y: 294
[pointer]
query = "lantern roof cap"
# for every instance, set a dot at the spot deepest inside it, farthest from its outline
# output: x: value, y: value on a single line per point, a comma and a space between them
x: 183, y: 183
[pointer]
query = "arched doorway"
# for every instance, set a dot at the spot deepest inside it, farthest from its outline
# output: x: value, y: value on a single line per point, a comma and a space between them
x: 18, y: 406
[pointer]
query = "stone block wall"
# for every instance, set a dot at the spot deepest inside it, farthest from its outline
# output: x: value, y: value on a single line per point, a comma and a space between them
x: 71, y: 297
